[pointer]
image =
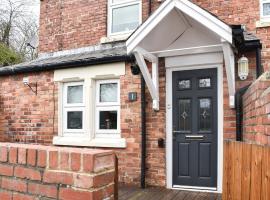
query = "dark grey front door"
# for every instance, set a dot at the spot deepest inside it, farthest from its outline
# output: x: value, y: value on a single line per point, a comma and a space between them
x: 195, y: 128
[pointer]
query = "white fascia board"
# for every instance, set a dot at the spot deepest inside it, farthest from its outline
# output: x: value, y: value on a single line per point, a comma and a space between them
x: 230, y: 71
x: 148, y: 25
x: 205, y: 18
x: 188, y: 51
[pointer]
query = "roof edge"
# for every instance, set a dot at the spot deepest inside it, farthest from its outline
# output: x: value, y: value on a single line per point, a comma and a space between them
x: 11, y: 70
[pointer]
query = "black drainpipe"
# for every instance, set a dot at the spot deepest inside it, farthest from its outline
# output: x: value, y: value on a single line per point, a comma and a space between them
x: 239, y: 112
x: 143, y: 121
x: 149, y: 8
x: 259, y: 68
x: 143, y: 127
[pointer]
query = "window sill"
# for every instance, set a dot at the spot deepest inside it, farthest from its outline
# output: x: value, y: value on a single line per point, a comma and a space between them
x: 114, y: 38
x: 97, y: 142
x: 262, y: 23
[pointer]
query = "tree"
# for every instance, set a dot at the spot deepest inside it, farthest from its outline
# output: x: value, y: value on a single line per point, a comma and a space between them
x: 19, y: 27
x: 7, y: 56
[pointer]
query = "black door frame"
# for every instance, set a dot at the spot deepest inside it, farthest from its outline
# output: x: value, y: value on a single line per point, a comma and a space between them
x: 169, y: 146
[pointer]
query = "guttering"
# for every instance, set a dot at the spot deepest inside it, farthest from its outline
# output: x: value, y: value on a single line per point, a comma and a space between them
x: 11, y: 70
x: 239, y: 112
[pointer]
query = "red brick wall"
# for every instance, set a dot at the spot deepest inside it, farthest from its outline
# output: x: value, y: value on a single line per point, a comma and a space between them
x: 129, y: 158
x: 45, y: 172
x: 155, y: 129
x: 69, y: 24
x: 26, y: 117
x: 256, y: 102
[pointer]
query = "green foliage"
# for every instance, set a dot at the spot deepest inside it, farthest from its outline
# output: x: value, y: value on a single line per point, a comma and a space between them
x: 8, y: 56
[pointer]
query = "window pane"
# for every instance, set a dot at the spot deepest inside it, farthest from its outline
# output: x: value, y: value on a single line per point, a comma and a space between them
x: 205, y: 82
x: 108, y: 92
x: 74, y: 120
x: 125, y: 18
x: 184, y: 84
x: 205, y: 114
x: 75, y: 94
x: 184, y: 114
x: 108, y: 120
x: 266, y: 9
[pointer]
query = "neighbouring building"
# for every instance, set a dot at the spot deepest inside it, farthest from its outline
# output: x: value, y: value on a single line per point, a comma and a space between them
x: 157, y: 81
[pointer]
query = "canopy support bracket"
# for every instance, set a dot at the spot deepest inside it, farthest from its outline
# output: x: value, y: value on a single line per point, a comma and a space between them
x: 230, y: 71
x: 151, y: 81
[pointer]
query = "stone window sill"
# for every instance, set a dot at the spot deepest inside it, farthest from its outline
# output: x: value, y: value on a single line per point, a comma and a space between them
x: 114, y: 38
x: 262, y: 24
x: 86, y: 142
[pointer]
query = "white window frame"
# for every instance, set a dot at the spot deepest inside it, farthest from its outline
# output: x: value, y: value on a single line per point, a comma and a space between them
x: 124, y: 3
x: 264, y: 17
x: 66, y: 107
x: 107, y: 106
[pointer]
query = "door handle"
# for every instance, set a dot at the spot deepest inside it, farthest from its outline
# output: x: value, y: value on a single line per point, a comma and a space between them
x: 194, y: 137
x: 177, y: 131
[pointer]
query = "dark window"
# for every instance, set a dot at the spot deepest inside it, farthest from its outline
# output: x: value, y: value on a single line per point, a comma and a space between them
x: 74, y: 119
x: 107, y: 119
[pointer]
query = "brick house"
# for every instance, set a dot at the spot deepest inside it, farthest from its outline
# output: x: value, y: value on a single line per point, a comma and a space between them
x: 156, y: 81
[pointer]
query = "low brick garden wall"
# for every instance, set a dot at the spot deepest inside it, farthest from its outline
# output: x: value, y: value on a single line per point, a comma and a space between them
x: 35, y: 172
x: 256, y: 111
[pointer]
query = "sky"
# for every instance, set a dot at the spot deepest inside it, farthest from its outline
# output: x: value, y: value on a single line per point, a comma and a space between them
x: 31, y: 7
x: 27, y: 12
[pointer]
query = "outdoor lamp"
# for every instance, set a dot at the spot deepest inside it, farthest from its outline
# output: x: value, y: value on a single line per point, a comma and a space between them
x: 243, y: 68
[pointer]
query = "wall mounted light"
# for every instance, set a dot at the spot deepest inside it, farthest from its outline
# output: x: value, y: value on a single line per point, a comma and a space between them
x: 135, y: 70
x: 33, y: 88
x: 243, y: 68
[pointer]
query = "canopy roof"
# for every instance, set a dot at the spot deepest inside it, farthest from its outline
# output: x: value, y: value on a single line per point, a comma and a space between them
x: 179, y: 24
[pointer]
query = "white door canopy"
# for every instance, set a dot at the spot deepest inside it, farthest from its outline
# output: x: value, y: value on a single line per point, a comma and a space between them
x: 179, y: 26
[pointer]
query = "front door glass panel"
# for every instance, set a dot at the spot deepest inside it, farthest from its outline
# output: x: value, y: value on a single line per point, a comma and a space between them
x: 205, y: 114
x: 185, y: 115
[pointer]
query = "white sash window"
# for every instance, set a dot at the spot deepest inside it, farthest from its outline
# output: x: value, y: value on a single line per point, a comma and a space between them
x: 107, y: 108
x: 265, y: 10
x: 124, y: 16
x: 73, y: 108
